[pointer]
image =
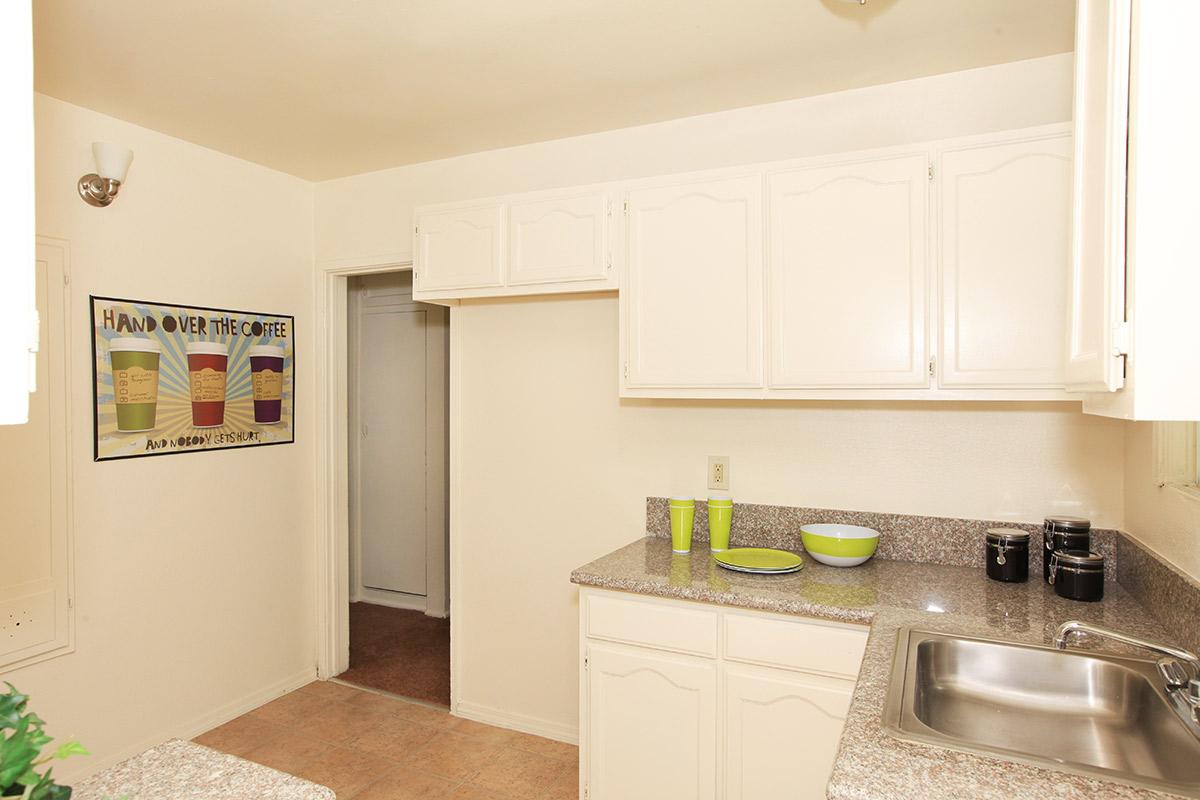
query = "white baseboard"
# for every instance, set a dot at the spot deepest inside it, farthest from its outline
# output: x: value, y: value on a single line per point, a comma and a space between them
x: 380, y: 597
x: 518, y: 722
x: 185, y: 730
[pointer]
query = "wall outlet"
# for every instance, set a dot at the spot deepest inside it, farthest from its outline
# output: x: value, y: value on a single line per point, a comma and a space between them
x: 718, y: 472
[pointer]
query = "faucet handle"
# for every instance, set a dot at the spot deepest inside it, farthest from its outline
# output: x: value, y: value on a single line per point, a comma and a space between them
x: 1176, y: 675
x: 1193, y: 691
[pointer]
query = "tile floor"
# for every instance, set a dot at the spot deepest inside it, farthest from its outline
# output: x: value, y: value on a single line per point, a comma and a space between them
x: 367, y: 746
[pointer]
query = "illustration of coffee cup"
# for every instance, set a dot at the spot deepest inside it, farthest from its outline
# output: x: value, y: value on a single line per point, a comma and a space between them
x: 266, y: 375
x: 135, y: 382
x: 208, y: 364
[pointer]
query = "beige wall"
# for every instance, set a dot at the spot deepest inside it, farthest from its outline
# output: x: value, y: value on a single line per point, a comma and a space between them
x: 193, y: 573
x: 1165, y: 518
x: 555, y: 468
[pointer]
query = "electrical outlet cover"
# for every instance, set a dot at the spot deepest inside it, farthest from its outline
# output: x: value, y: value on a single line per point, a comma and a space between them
x: 718, y: 472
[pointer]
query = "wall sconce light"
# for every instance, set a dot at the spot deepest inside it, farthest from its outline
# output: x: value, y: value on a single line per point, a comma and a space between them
x: 112, y: 163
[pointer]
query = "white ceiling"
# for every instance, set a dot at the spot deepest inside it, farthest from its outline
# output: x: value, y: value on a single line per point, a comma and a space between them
x: 325, y: 88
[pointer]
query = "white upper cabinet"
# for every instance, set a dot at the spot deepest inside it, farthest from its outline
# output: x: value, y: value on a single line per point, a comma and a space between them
x: 1003, y: 255
x: 459, y: 247
x: 848, y: 281
x: 692, y: 297
x: 1138, y: 295
x: 1095, y: 359
x: 558, y: 239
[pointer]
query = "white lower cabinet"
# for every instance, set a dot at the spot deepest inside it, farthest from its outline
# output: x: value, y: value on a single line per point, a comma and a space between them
x: 654, y: 725
x: 689, y: 700
x: 781, y: 732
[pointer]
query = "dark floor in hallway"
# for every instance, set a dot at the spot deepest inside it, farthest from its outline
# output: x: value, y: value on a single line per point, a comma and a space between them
x: 399, y: 651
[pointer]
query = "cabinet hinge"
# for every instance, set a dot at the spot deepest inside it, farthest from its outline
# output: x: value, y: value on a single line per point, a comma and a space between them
x: 1120, y: 338
x: 585, y: 662
x: 931, y: 172
x: 626, y: 370
x: 932, y: 366
x: 626, y: 205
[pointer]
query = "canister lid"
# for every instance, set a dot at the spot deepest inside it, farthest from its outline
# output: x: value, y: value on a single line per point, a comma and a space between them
x: 1080, y: 558
x: 1008, y: 534
x: 1068, y: 524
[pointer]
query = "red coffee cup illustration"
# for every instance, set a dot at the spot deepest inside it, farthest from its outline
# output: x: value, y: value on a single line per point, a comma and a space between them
x: 266, y: 375
x: 208, y: 364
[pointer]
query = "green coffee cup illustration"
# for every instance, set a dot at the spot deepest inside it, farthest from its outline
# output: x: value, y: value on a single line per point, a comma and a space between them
x: 135, y: 382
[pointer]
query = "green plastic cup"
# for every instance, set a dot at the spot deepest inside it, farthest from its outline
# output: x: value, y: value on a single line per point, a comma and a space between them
x: 683, y: 516
x: 135, y: 382
x: 720, y: 518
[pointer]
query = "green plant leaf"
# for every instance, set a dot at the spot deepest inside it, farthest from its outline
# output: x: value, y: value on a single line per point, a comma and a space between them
x: 71, y: 748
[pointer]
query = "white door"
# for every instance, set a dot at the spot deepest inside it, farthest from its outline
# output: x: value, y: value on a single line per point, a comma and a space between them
x: 1101, y: 115
x: 1004, y: 260
x: 847, y: 276
x: 459, y: 248
x: 652, y: 729
x: 558, y: 239
x: 781, y: 732
x: 391, y: 390
x: 692, y: 297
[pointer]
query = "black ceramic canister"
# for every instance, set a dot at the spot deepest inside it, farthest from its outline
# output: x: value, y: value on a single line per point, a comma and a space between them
x: 1007, y: 555
x: 1064, y: 533
x: 1077, y: 575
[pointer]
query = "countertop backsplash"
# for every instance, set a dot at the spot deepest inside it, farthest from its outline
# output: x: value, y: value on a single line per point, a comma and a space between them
x: 902, y: 537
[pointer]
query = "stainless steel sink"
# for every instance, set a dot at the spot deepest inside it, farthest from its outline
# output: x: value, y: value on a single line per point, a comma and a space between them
x: 1090, y: 713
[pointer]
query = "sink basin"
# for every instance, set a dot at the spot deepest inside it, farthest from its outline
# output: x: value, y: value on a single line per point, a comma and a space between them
x: 1084, y: 712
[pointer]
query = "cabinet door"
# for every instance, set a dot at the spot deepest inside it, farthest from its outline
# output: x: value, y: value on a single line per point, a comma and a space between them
x: 459, y: 248
x: 1004, y: 258
x: 781, y: 732
x: 1097, y: 284
x: 693, y: 292
x: 559, y: 239
x: 651, y: 725
x: 847, y: 278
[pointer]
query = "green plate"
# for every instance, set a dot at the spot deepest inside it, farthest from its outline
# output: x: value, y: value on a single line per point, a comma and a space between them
x: 759, y: 559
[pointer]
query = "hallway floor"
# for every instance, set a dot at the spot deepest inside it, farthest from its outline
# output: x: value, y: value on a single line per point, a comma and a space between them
x: 367, y: 746
x: 399, y: 651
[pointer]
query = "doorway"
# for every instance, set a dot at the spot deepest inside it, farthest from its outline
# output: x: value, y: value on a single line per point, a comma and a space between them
x: 397, y: 455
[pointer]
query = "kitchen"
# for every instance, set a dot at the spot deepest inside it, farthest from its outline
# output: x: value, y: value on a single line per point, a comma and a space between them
x: 554, y: 452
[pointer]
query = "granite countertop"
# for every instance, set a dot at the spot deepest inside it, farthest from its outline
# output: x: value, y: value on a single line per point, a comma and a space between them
x: 889, y: 595
x: 176, y: 770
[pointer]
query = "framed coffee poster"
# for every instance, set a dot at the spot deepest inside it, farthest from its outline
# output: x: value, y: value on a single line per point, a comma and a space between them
x: 178, y: 379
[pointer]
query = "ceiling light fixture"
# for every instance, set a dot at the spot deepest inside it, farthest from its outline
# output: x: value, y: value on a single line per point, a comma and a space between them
x: 112, y: 163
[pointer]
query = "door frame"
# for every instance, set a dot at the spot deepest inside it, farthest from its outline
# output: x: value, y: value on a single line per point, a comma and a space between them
x: 332, y: 557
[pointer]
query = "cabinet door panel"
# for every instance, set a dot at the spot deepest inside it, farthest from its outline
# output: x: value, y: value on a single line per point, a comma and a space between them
x: 847, y: 275
x: 693, y: 313
x: 560, y: 239
x: 781, y: 733
x: 460, y: 248
x: 652, y: 731
x: 1097, y: 293
x: 1004, y: 260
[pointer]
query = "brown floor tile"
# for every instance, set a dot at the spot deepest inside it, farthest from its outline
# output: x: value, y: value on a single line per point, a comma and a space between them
x: 519, y: 772
x: 290, y: 751
x: 470, y: 791
x: 564, y: 786
x: 435, y: 717
x: 453, y: 755
x: 328, y: 690
x: 291, y: 708
x: 543, y: 746
x: 239, y: 736
x: 407, y: 784
x: 392, y: 737
x: 338, y: 723
x: 346, y: 771
x: 478, y: 730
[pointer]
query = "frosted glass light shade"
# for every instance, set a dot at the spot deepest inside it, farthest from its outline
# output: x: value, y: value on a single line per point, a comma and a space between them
x: 112, y: 160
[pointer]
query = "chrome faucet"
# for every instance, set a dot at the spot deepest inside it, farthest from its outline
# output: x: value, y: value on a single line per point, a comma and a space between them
x: 1179, y: 668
